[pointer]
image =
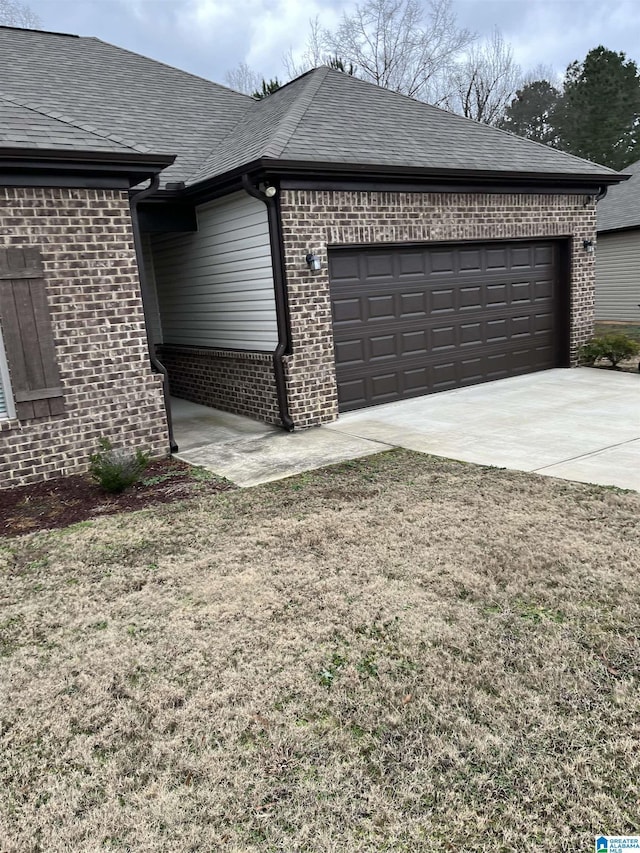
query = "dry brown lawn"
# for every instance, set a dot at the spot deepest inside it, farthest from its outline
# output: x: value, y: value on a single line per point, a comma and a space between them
x: 398, y: 654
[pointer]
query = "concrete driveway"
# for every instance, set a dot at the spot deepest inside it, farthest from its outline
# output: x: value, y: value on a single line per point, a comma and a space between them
x: 575, y: 424
x: 579, y: 424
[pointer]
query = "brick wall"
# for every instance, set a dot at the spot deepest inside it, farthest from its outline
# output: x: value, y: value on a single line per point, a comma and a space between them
x: 314, y: 220
x: 237, y: 382
x: 98, y: 325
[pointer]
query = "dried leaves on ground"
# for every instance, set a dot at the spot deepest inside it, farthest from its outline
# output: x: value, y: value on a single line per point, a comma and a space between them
x: 397, y: 654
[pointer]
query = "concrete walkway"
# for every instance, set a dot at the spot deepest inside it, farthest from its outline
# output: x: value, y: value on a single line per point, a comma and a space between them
x: 575, y: 424
x: 249, y: 453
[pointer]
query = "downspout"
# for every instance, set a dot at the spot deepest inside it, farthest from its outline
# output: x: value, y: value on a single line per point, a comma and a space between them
x: 282, y: 309
x: 601, y: 193
x: 135, y: 199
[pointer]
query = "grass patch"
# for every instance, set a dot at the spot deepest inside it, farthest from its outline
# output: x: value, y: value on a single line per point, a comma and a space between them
x: 398, y: 654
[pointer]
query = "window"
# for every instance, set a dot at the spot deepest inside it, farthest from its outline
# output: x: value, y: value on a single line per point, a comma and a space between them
x: 6, y: 400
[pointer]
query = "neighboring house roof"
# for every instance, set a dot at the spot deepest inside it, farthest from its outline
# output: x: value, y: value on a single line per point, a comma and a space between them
x: 620, y: 208
x: 324, y: 117
x: 327, y: 116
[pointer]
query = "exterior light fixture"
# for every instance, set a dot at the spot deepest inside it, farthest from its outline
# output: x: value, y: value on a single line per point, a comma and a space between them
x: 313, y: 262
x: 270, y: 191
x: 589, y: 246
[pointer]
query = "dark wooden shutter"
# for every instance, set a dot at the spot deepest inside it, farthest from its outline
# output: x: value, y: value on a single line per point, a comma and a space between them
x: 28, y: 337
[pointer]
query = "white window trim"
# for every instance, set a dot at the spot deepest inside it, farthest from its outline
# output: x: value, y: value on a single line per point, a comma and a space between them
x: 6, y: 383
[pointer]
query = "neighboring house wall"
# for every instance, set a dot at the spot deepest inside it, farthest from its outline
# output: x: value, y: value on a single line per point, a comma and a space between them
x: 93, y: 294
x: 216, y: 295
x: 618, y: 276
x: 314, y: 220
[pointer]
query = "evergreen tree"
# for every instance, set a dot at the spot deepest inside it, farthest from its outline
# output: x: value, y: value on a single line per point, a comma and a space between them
x: 599, y: 112
x: 268, y: 88
x: 531, y: 112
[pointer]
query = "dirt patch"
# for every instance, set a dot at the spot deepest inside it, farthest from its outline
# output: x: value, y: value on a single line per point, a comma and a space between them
x: 68, y: 500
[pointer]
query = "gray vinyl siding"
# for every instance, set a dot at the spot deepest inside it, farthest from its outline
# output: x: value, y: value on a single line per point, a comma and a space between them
x: 152, y: 309
x: 215, y: 286
x: 618, y: 276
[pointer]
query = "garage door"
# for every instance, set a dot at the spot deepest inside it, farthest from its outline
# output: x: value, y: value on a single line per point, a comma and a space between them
x: 412, y: 320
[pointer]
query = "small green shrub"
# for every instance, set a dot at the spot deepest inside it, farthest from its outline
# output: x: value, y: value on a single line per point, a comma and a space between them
x: 614, y: 347
x: 115, y: 469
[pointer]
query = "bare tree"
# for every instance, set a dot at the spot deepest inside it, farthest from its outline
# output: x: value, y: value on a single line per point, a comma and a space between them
x: 16, y: 14
x: 243, y: 79
x: 403, y: 45
x: 485, y: 82
x: 315, y: 52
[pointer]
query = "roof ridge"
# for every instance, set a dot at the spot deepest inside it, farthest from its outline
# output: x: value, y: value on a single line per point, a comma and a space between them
x: 166, y: 65
x: 296, y: 112
x: 255, y: 106
x: 63, y: 119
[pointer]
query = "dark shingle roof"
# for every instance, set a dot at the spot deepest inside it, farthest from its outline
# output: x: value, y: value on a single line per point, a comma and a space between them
x: 327, y: 116
x: 23, y: 126
x: 620, y: 208
x: 125, y: 97
x: 324, y: 116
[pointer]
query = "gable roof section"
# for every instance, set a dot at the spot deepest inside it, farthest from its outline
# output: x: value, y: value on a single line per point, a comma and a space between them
x: 327, y: 116
x: 620, y: 208
x: 119, y: 94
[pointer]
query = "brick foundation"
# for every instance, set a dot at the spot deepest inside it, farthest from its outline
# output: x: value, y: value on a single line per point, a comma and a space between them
x: 93, y: 291
x: 314, y: 220
x: 238, y: 382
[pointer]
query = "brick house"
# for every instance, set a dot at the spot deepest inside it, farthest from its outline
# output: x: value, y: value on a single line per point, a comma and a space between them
x: 333, y: 246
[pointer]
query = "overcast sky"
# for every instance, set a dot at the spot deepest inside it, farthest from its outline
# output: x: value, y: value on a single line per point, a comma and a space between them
x: 208, y: 37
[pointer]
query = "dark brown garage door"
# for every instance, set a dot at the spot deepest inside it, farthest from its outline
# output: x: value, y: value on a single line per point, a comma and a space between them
x: 412, y: 320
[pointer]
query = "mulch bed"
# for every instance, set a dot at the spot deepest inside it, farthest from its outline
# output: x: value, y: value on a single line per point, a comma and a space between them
x: 65, y: 501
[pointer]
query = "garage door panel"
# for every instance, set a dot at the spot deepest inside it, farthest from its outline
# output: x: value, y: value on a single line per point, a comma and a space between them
x: 497, y: 330
x: 379, y: 265
x: 383, y: 346
x: 496, y: 295
x: 384, y: 387
x: 345, y: 268
x: 543, y: 289
x: 470, y: 298
x: 520, y: 257
x: 413, y: 304
x: 346, y: 310
x: 416, y: 381
x: 520, y: 292
x: 470, y: 314
x: 443, y: 337
x: 381, y: 307
x: 350, y: 352
x: 543, y: 255
x: 414, y: 343
x: 442, y: 262
x: 411, y: 264
x: 442, y: 301
x: 470, y: 259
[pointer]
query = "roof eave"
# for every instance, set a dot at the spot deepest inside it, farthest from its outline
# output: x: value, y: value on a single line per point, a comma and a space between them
x: 616, y: 229
x: 363, y: 173
x: 59, y: 165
